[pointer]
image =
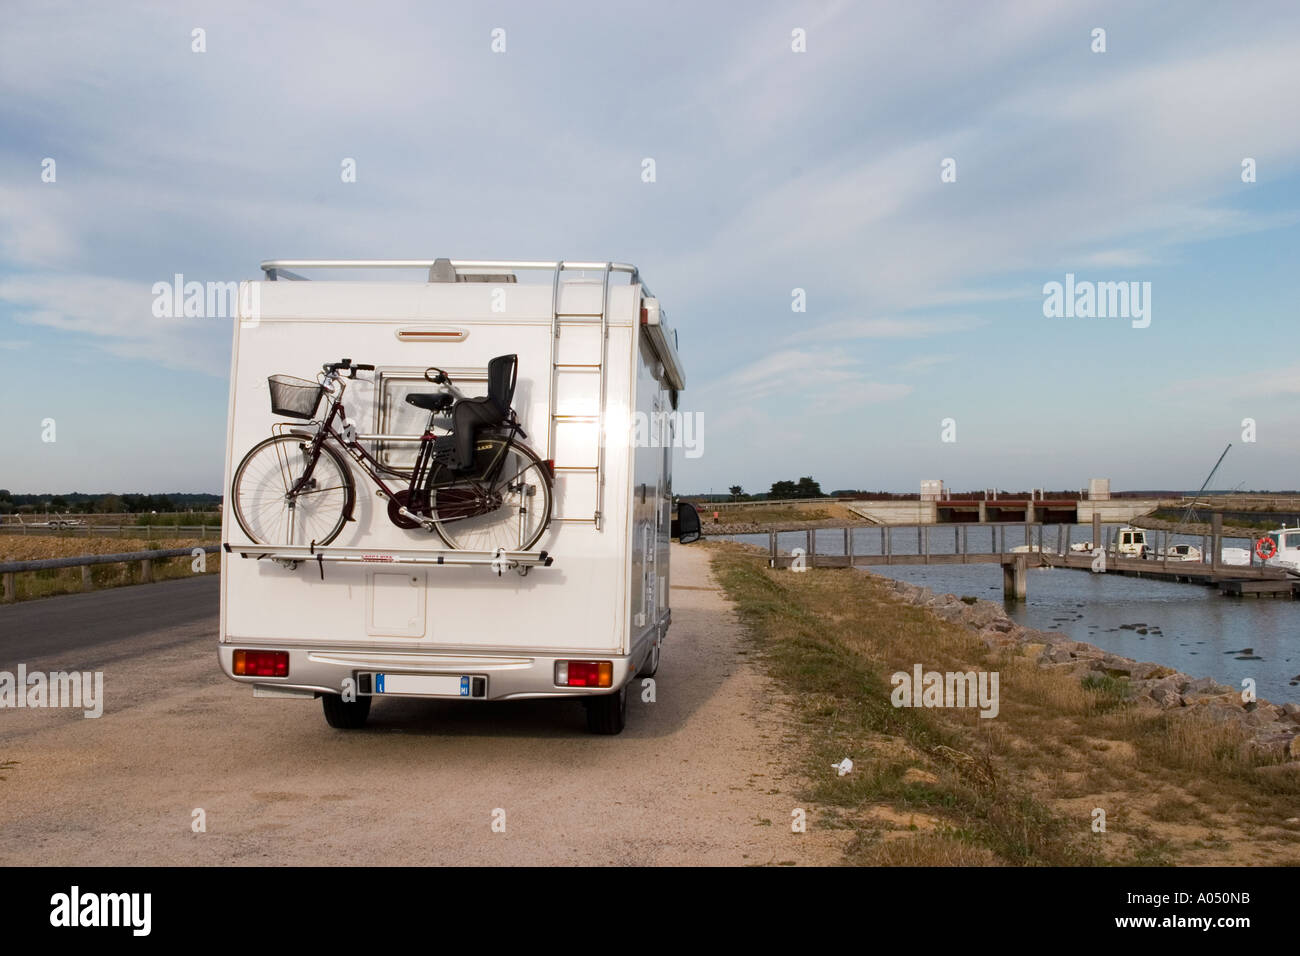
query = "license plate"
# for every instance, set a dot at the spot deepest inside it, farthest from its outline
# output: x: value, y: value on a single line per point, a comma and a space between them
x: 422, y: 685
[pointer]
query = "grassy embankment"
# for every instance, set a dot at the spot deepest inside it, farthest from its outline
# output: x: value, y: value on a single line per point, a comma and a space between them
x: 946, y: 787
x: 777, y: 513
x: 1166, y: 520
x: 36, y: 584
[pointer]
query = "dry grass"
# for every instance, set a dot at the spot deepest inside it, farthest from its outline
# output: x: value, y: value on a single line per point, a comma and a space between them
x: 37, y: 584
x: 1022, y: 786
x: 778, y: 513
x: 927, y: 849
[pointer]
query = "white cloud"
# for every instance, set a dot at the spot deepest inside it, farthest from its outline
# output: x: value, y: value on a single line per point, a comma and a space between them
x: 924, y: 362
x: 849, y: 329
x: 115, y: 316
x: 802, y: 379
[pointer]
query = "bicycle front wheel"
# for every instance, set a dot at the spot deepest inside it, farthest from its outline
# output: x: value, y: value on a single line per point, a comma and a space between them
x: 504, y: 502
x: 269, y: 514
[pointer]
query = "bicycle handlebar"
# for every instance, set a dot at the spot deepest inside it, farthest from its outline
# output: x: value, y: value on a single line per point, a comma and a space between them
x: 346, y: 365
x: 439, y: 377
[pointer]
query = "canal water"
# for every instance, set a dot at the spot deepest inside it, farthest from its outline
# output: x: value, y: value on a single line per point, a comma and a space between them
x: 1189, y: 627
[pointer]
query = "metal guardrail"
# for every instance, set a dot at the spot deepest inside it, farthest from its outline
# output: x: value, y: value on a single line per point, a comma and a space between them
x: 84, y: 561
x: 115, y: 530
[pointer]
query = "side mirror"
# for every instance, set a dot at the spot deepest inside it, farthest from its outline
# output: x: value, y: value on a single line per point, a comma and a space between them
x: 686, y: 526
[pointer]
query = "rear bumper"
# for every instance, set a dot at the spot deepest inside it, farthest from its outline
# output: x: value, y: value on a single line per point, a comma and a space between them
x: 508, y: 676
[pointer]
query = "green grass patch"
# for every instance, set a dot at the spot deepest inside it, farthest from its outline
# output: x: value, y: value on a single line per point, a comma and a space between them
x: 842, y: 698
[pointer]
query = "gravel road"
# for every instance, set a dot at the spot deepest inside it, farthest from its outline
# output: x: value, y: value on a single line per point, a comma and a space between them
x: 691, y: 781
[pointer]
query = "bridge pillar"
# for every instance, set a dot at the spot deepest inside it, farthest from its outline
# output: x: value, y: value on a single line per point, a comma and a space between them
x: 1015, y: 578
x: 1216, y: 539
x: 984, y: 512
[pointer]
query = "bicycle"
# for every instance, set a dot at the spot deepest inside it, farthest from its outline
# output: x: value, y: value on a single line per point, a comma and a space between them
x: 476, y: 487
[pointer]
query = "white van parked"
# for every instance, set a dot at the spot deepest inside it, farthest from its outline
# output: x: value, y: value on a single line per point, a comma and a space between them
x: 1132, y: 543
x: 457, y: 487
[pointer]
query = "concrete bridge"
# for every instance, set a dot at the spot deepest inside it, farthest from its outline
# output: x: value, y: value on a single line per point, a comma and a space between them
x: 995, y: 510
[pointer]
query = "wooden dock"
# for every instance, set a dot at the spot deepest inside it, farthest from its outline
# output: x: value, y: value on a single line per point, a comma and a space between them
x: 932, y: 548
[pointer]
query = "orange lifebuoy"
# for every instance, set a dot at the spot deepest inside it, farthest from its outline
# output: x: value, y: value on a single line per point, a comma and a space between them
x: 1265, y: 548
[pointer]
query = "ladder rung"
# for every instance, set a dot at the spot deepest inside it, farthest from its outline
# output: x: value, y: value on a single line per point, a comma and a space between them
x: 577, y: 315
x: 575, y: 365
x: 577, y: 468
x: 575, y: 418
x: 578, y: 520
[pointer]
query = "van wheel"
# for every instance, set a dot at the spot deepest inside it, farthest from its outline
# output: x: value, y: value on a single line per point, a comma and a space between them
x: 651, y: 663
x: 607, y: 713
x: 345, y: 715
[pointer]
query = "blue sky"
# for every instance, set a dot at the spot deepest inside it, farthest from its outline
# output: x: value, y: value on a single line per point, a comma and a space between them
x: 775, y: 170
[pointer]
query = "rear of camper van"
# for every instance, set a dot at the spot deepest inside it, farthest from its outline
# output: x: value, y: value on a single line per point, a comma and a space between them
x: 385, y: 611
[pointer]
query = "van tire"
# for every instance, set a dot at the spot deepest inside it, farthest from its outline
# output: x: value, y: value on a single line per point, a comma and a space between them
x: 607, y: 713
x: 345, y: 715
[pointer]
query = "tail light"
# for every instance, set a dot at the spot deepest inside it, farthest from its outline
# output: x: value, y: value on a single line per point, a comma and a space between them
x: 261, y: 663
x: 584, y: 673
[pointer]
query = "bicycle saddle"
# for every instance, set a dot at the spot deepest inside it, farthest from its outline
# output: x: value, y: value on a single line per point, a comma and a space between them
x: 430, y: 401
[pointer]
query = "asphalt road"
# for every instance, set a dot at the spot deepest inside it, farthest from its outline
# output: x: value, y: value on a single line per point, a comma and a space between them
x: 699, y: 776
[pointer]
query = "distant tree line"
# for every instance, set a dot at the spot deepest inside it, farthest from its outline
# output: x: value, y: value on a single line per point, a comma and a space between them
x: 809, y: 488
x: 80, y: 503
x: 806, y: 487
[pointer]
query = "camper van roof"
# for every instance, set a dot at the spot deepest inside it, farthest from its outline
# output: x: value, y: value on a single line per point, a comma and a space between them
x: 662, y: 338
x: 446, y: 270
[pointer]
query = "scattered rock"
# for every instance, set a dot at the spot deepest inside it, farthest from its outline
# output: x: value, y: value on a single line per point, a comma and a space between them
x: 1165, y: 693
x: 1153, y: 686
x: 1206, y: 685
x: 1145, y: 670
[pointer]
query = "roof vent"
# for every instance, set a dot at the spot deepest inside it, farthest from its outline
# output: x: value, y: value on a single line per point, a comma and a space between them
x: 443, y: 271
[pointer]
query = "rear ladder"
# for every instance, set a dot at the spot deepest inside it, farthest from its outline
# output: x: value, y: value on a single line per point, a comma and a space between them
x: 558, y: 321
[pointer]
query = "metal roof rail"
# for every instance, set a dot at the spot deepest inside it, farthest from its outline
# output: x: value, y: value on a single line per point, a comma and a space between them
x: 282, y: 268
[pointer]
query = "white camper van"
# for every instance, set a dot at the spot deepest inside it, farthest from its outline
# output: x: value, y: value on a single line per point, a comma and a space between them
x: 453, y: 485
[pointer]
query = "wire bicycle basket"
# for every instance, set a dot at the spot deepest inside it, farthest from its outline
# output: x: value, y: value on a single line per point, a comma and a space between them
x: 294, y: 397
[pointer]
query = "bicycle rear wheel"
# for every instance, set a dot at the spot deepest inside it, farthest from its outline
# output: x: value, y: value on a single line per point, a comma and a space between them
x: 510, y: 511
x: 260, y: 493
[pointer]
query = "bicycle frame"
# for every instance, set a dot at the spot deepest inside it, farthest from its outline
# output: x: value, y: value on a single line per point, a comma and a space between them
x: 371, y: 466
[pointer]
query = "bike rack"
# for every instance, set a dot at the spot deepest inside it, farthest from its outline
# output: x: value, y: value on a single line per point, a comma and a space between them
x: 291, y: 555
